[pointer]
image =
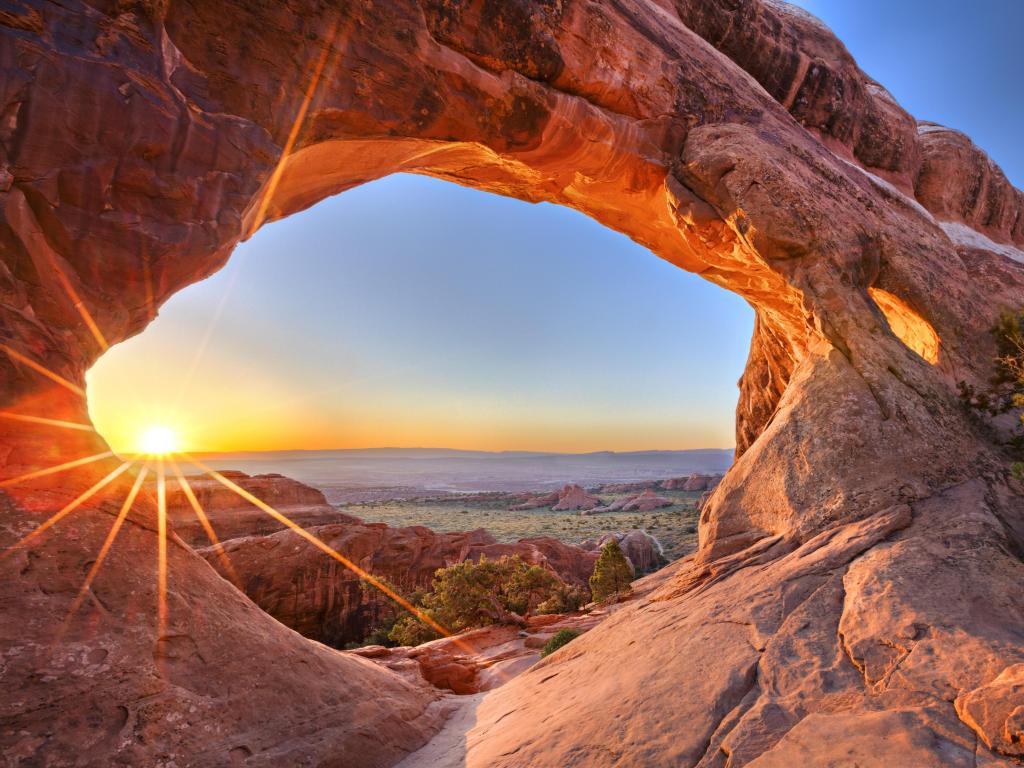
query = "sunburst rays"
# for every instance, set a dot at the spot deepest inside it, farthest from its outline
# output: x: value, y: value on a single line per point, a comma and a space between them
x: 42, y: 370
x: 79, y: 305
x: 122, y: 515
x: 329, y: 53
x: 30, y: 419
x: 161, y: 550
x: 159, y: 465
x: 67, y: 465
x: 204, y: 521
x: 366, y: 576
x: 69, y: 507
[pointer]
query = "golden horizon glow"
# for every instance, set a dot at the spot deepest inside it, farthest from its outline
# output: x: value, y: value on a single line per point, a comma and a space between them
x: 158, y: 440
x: 264, y: 417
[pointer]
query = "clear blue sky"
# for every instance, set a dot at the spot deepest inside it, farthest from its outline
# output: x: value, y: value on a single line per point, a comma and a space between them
x: 949, y: 61
x: 414, y: 312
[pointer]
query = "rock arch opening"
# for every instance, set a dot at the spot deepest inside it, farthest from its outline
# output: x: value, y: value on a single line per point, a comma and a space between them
x: 414, y: 312
x: 909, y: 327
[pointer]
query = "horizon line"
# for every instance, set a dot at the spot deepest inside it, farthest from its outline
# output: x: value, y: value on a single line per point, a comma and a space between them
x: 438, y: 448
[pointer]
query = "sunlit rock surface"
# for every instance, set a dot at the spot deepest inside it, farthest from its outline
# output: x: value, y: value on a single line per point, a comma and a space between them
x: 232, y: 516
x: 570, y: 497
x: 857, y: 587
x: 642, y: 502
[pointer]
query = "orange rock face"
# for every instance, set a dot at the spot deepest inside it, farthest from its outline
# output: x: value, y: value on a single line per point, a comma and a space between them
x: 856, y: 594
x: 232, y: 517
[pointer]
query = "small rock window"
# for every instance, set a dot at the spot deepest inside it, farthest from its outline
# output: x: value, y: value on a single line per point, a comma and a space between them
x: 912, y: 329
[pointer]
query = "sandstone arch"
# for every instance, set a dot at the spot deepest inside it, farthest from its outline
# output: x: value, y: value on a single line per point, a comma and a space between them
x: 859, y: 567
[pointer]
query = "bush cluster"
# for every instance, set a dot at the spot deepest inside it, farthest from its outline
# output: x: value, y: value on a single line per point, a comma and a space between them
x: 1006, y: 386
x: 559, y: 639
x: 477, y: 594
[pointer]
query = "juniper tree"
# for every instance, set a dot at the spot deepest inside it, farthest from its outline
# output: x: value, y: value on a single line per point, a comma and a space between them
x: 475, y: 594
x: 612, y: 572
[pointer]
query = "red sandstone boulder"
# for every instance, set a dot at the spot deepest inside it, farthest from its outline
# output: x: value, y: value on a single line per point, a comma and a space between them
x: 570, y: 497
x: 642, y: 502
x: 573, y: 497
x: 646, y: 501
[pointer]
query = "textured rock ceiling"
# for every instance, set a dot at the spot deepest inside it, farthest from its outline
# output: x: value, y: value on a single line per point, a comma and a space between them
x: 856, y: 595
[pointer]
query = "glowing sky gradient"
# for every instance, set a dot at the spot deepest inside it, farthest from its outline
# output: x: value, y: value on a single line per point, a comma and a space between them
x: 413, y: 312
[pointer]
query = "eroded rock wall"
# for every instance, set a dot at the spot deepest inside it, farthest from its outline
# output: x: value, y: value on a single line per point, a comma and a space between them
x: 318, y: 597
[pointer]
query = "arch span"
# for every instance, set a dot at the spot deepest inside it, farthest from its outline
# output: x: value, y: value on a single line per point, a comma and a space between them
x: 865, y: 518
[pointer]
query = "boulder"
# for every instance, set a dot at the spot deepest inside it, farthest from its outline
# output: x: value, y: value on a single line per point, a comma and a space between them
x: 646, y: 501
x: 570, y: 497
x: 574, y: 497
x: 641, y: 502
x: 641, y: 549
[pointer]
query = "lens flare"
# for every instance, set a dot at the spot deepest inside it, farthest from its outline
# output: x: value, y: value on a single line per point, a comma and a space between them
x: 158, y: 441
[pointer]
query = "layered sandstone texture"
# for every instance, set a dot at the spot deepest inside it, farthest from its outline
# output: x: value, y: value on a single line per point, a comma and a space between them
x: 232, y: 516
x: 856, y: 594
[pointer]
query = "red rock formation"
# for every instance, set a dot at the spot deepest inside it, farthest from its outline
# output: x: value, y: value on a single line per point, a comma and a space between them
x: 958, y: 182
x: 570, y: 497
x: 641, y: 502
x: 858, y: 571
x: 232, y: 516
x: 573, y: 497
x: 642, y: 549
x: 312, y: 593
x: 646, y: 501
x: 694, y: 482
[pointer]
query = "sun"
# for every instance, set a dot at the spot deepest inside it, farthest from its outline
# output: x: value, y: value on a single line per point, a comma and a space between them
x: 158, y: 440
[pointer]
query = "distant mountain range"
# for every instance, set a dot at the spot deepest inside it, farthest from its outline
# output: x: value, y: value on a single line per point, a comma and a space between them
x: 445, y: 469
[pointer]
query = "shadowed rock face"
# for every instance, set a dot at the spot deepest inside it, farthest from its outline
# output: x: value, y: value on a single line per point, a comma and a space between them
x: 312, y: 593
x: 857, y: 581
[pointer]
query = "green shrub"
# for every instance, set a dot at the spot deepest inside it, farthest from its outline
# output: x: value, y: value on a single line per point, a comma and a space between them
x: 559, y: 639
x: 612, y: 573
x: 409, y: 630
x: 476, y: 594
x: 1006, y: 386
x: 565, y: 599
